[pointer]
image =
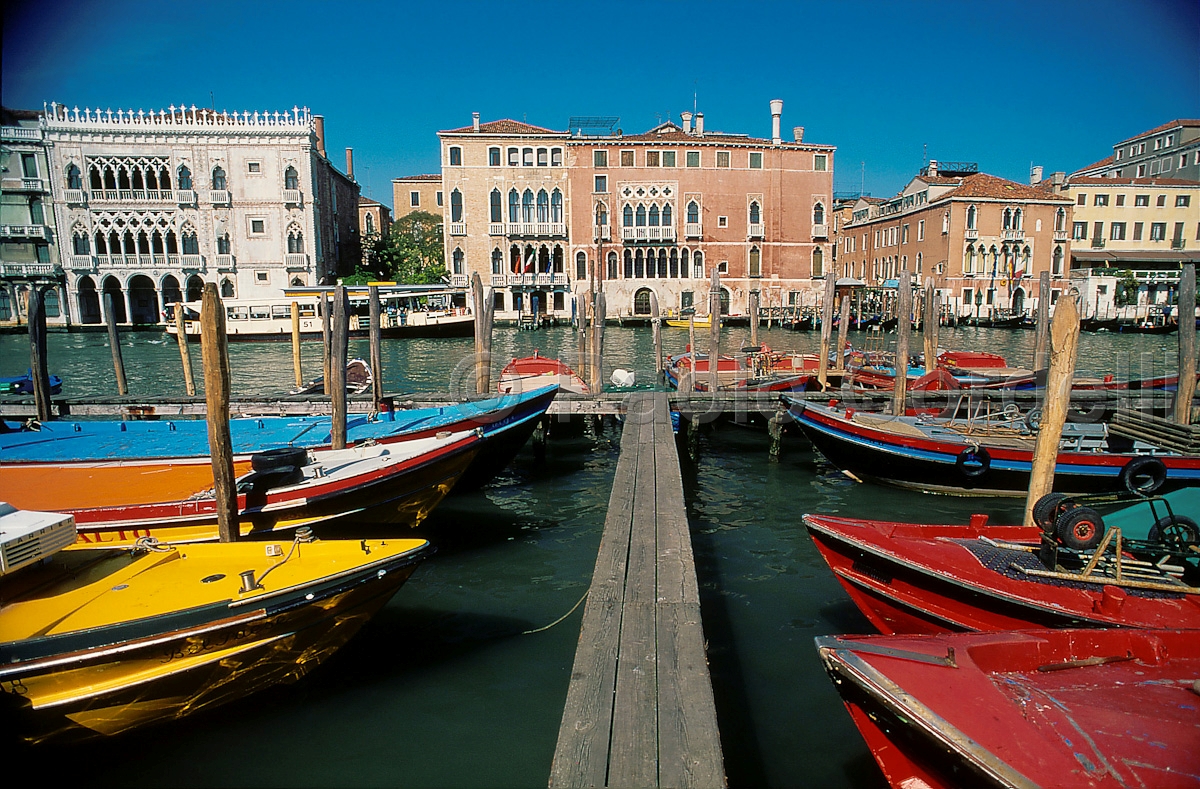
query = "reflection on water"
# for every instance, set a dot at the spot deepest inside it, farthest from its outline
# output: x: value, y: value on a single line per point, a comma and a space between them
x: 445, y: 688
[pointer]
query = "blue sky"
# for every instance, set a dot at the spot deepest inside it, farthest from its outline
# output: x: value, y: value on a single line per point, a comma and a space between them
x: 1005, y: 84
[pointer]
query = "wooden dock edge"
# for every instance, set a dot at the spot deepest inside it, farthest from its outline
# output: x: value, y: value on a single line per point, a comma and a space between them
x: 639, y: 709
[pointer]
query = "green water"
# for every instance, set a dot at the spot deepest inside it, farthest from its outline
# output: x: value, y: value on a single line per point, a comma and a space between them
x: 444, y: 688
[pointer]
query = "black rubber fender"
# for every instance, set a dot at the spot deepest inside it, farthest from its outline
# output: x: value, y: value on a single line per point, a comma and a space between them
x: 1142, y: 475
x: 271, y: 459
x: 973, y: 462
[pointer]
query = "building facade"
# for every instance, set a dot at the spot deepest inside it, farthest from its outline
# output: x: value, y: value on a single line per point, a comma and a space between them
x: 29, y: 254
x: 417, y: 193
x: 983, y: 240
x: 1147, y: 227
x: 1168, y: 151
x: 543, y: 215
x: 374, y: 220
x: 153, y: 205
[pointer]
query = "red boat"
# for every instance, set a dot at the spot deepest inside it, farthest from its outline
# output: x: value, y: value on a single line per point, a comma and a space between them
x: 537, y: 371
x: 1061, y: 708
x: 910, y: 578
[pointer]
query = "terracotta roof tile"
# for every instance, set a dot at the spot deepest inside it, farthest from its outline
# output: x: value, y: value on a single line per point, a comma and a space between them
x: 428, y: 177
x: 1170, y: 125
x: 505, y: 126
x: 1107, y: 160
x: 367, y: 201
x: 1098, y: 181
x: 982, y: 185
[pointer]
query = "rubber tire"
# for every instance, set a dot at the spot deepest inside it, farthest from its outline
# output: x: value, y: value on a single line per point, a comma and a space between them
x: 1033, y: 419
x: 980, y: 455
x: 1045, y: 509
x: 271, y: 459
x: 1142, y: 466
x: 1183, y: 523
x: 1079, y: 528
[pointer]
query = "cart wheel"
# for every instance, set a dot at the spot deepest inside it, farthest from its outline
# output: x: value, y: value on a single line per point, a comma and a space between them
x: 1033, y: 419
x: 1178, y: 530
x: 1045, y: 510
x: 1080, y: 528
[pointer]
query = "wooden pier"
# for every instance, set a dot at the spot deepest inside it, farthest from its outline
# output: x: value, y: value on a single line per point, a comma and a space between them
x: 639, y: 709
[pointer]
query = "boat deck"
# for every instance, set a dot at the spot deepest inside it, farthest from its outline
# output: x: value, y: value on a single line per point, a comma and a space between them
x: 639, y: 708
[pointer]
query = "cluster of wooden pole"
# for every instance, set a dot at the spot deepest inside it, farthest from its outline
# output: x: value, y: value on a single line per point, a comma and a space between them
x: 484, y: 306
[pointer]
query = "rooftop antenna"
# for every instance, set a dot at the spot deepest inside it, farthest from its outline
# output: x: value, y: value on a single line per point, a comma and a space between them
x: 212, y: 101
x: 862, y: 184
x: 925, y: 154
x: 694, y: 95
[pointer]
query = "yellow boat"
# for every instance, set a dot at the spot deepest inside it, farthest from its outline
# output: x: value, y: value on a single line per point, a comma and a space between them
x: 97, y: 642
x: 700, y: 322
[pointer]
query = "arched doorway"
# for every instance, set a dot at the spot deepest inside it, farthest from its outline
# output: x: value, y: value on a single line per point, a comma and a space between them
x: 143, y: 300
x: 89, y: 301
x: 170, y: 291
x: 1018, y: 300
x: 112, y: 287
x: 724, y: 301
x: 641, y: 302
x: 195, y: 288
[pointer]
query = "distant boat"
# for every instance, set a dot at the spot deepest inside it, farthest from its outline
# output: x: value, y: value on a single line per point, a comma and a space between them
x: 96, y: 643
x: 537, y: 371
x: 23, y: 384
x: 682, y: 322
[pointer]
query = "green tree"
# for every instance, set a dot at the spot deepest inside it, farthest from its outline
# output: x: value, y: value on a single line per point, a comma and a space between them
x: 413, y: 253
x: 1127, y: 288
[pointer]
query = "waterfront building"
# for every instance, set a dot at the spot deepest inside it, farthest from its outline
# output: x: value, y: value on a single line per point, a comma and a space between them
x: 374, y: 220
x: 417, y: 193
x: 544, y: 214
x: 984, y: 240
x: 1171, y: 150
x: 28, y: 236
x: 154, y: 204
x: 1147, y: 227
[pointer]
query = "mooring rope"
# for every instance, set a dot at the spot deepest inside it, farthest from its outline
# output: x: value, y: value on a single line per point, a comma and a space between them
x: 560, y: 619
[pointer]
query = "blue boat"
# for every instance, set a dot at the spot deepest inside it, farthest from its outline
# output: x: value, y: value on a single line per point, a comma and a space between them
x: 506, y: 422
x: 23, y: 384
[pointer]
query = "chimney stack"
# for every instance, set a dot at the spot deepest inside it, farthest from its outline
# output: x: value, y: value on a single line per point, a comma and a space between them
x: 932, y: 168
x: 1035, y: 175
x: 319, y: 130
x: 350, y: 163
x: 700, y: 124
x: 687, y: 122
x: 776, y: 112
x: 1058, y: 178
x: 798, y: 133
x: 475, y: 121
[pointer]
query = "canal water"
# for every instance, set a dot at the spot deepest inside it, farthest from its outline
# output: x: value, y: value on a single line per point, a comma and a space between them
x: 448, y: 686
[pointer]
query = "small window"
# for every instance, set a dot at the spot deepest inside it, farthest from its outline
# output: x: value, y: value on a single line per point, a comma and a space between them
x: 292, y: 181
x: 527, y: 157
x: 258, y: 227
x: 1101, y: 200
x: 627, y: 158
x: 262, y: 276
x: 556, y: 157
x: 1081, y: 199
x: 29, y: 165
x: 1162, y: 201
x: 493, y: 157
x: 1137, y: 230
x: 1120, y: 200
x: 1079, y: 231
x: 414, y: 199
x: 820, y: 162
x: 722, y: 221
x: 1141, y: 201
x: 693, y: 158
x: 1117, y: 231
x: 722, y: 158
x: 652, y: 158
x: 600, y: 158
x: 254, y: 167
x: 723, y: 267
x: 543, y: 157
x: 921, y: 230
x: 1183, y: 201
x: 668, y: 158
x: 281, y: 310
x: 756, y: 160
x: 1158, y: 231
x: 601, y: 183
x: 218, y: 179
x: 439, y: 199
x: 456, y: 157
x: 514, y: 157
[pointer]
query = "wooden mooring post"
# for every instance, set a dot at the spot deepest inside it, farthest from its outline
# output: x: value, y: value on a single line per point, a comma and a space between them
x: 214, y: 353
x: 691, y: 384
x: 185, y: 354
x: 929, y: 326
x: 1042, y: 327
x: 38, y: 366
x: 1186, y: 316
x: 335, y: 384
x: 296, y: 366
x: 843, y: 328
x: 599, y: 315
x: 903, y: 327
x: 1064, y: 343
x: 326, y: 340
x: 714, y: 330
x: 482, y: 305
x: 656, y: 328
x: 114, y: 341
x: 826, y: 328
x: 754, y: 296
x: 376, y: 342
x: 639, y: 708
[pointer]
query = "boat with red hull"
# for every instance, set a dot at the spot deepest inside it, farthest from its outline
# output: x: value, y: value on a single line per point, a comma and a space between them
x: 534, y: 372
x: 965, y: 458
x: 1061, y: 708
x: 909, y: 578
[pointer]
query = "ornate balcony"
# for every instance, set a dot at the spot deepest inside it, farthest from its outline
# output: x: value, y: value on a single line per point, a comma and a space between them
x: 458, y: 228
x: 693, y: 229
x: 537, y: 229
x: 971, y: 234
x: 529, y: 279
x: 296, y: 261
x: 660, y: 233
x: 219, y: 197
x: 191, y: 262
x: 820, y: 231
x: 499, y: 280
x: 602, y: 233
x: 134, y: 195
x: 82, y: 263
x: 75, y: 196
x: 1178, y: 243
x: 1013, y: 235
x: 185, y: 196
x: 24, y: 185
x: 756, y: 231
x: 30, y: 270
x: 1097, y: 243
x: 495, y: 228
x: 458, y: 280
x: 293, y: 197
x: 226, y: 263
x: 21, y: 133
x: 118, y: 261
x: 1060, y: 235
x: 25, y: 231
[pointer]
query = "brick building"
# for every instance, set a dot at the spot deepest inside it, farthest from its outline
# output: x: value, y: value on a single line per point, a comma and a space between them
x: 417, y: 193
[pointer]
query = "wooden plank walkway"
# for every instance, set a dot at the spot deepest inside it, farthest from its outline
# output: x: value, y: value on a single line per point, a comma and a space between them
x: 639, y: 709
